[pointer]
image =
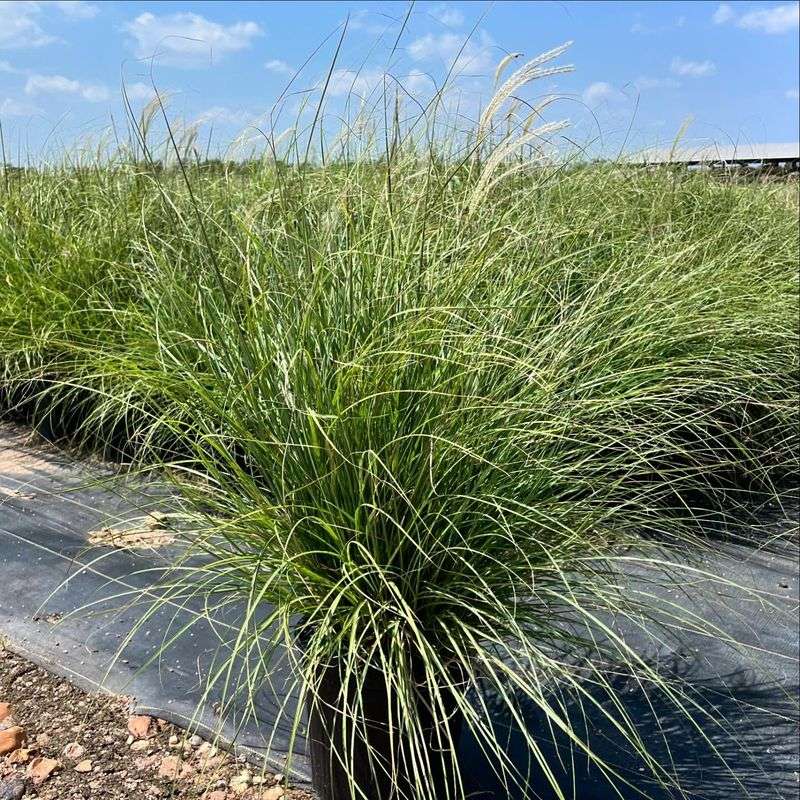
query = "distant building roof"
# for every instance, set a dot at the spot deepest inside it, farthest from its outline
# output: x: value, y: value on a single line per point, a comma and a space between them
x: 706, y: 152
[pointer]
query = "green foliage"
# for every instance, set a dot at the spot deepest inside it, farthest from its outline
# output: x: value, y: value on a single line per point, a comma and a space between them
x: 418, y: 416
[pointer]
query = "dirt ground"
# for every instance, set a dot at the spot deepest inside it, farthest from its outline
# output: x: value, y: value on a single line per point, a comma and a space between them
x: 59, y: 743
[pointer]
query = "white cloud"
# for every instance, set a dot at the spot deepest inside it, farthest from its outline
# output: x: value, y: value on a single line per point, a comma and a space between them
x: 474, y: 55
x: 58, y: 84
x: 9, y: 68
x: 139, y: 91
x: 778, y: 19
x: 644, y: 28
x: 793, y: 94
x: 14, y: 108
x: 600, y: 92
x: 363, y: 83
x: 279, y: 67
x: 447, y: 15
x: 226, y: 115
x: 77, y: 9
x: 644, y: 83
x: 188, y: 40
x: 20, y: 20
x: 370, y: 22
x: 723, y: 14
x: 416, y: 81
x: 19, y: 26
x: 693, y: 69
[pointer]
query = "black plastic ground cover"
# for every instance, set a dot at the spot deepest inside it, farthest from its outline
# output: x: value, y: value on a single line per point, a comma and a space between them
x: 70, y: 606
x: 749, y: 746
x: 49, y: 504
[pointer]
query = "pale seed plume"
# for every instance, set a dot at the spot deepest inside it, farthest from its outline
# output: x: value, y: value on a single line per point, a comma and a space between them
x: 528, y: 72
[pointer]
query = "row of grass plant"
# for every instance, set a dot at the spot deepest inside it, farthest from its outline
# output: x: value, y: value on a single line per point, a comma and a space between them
x: 425, y: 410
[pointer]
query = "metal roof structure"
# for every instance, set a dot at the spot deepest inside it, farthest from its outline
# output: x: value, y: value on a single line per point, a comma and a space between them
x: 775, y: 153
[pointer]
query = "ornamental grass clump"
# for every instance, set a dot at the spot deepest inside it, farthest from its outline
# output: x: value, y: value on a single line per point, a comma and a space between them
x: 426, y: 413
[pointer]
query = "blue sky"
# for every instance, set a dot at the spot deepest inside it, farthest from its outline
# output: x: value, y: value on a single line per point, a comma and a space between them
x: 641, y: 69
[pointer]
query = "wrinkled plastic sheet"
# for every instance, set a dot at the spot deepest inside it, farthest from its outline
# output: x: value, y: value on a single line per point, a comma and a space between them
x: 69, y: 606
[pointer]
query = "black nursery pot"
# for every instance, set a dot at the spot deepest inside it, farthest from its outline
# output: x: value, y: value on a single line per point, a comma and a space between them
x: 373, y: 775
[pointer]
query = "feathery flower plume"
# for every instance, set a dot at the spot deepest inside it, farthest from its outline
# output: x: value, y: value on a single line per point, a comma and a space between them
x: 501, y: 152
x: 529, y: 71
x: 504, y: 62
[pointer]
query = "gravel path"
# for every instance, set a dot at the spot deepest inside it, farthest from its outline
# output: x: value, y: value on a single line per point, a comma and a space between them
x: 65, y: 744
